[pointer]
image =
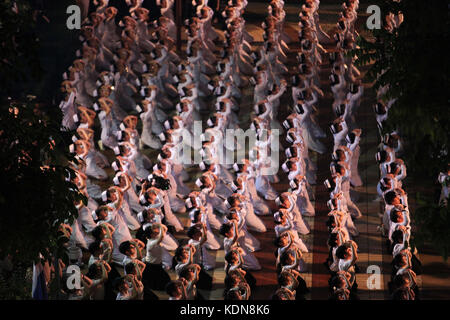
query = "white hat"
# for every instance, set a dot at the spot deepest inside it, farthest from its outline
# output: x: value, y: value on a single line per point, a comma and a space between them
x: 72, y: 148
x: 288, y: 153
x: 116, y: 180
x: 277, y: 217
x: 292, y: 184
x: 104, y: 196
x: 199, y: 183
x: 278, y: 201
x: 94, y: 215
x: 115, y: 166
x: 140, y: 217
x: 116, y: 150
x: 188, y: 203
x: 235, y: 167
x: 167, y: 125
x: 75, y: 118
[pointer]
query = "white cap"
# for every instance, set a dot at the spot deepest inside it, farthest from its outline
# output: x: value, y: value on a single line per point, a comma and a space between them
x: 277, y: 217
x: 104, y: 196
x: 167, y: 125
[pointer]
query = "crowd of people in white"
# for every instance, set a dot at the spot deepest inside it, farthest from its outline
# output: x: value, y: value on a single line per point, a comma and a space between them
x: 130, y: 90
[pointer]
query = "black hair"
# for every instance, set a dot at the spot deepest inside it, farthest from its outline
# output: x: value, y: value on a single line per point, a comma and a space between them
x: 118, y: 282
x: 283, y: 279
x: 336, y: 282
x: 399, y: 280
x: 225, y: 228
x: 124, y: 247
x: 93, y: 271
x: 389, y: 197
x: 284, y: 258
x: 341, y: 251
x: 129, y: 268
x: 393, y: 215
x: 397, y: 237
x: 184, y: 273
x: 97, y: 232
x: 193, y: 230
x: 94, y: 247
x: 232, y: 295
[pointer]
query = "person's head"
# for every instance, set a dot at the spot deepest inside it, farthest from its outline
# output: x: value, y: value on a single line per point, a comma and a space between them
x: 232, y: 280
x: 121, y: 285
x: 338, y: 282
x: 285, y: 280
x: 343, y: 252
x: 287, y: 258
x: 98, y: 233
x: 391, y: 198
x: 280, y: 217
x: 400, y: 260
x: 282, y: 240
x: 181, y: 253
x: 227, y: 230
x: 130, y: 268
x: 285, y: 201
x: 194, y: 232
x: 233, y: 214
x: 282, y: 294
x: 234, y: 201
x: 127, y: 248
x: 397, y: 237
x: 233, y: 295
x: 152, y: 232
x: 402, y: 281
x: 188, y: 273
x: 174, y: 288
x: 382, y: 156
x: 396, y: 215
x: 95, y: 248
x: 95, y: 271
x: 232, y: 257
